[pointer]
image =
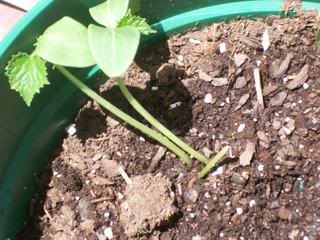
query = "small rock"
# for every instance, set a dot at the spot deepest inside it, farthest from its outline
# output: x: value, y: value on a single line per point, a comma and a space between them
x: 267, y: 90
x: 195, y: 41
x: 276, y: 124
x: 208, y: 98
x: 278, y: 99
x: 243, y: 100
x: 84, y: 206
x: 263, y: 136
x: 207, y: 152
x: 240, y: 59
x: 274, y: 204
x: 108, y: 233
x: 305, y: 86
x: 241, y: 127
x: 198, y: 237
x: 278, y: 69
x: 284, y: 213
x: 218, y: 82
x: 291, y: 125
x: 238, y: 179
x: 240, y: 82
x: 191, y: 196
x: 300, y: 79
x: 163, y: 74
x: 204, y: 76
x: 293, y: 235
x: 101, y: 181
x: 246, y: 156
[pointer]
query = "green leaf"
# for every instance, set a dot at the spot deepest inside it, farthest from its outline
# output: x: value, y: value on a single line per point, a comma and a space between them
x: 135, y: 5
x: 137, y: 22
x: 110, y: 12
x: 113, y: 49
x: 318, y: 39
x: 27, y: 75
x: 65, y: 43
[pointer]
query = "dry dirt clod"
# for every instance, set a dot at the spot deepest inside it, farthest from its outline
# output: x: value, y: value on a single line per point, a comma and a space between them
x: 284, y: 214
x: 240, y: 59
x: 149, y: 201
x: 218, y: 82
x: 300, y: 79
x: 240, y: 82
x: 204, y: 76
x: 110, y: 167
x: 278, y: 69
x: 279, y: 98
x: 267, y: 90
x: 246, y: 156
x: 243, y: 100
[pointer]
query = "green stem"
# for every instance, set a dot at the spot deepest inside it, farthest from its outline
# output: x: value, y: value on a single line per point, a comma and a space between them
x: 213, y: 162
x: 123, y: 116
x: 155, y: 123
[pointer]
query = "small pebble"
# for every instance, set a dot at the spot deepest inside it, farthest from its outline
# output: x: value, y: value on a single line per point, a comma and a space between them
x: 284, y: 213
x: 192, y: 215
x: 154, y: 88
x: 108, y: 233
x: 191, y: 196
x: 219, y: 171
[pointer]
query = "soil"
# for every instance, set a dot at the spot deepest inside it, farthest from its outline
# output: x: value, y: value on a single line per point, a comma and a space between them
x: 200, y: 84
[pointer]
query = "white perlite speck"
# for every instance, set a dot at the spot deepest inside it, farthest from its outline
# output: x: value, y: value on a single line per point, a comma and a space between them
x: 71, y: 129
x: 252, y: 203
x: 241, y: 127
x: 239, y: 210
x: 222, y: 47
x: 208, y: 98
x: 260, y: 167
x: 108, y: 233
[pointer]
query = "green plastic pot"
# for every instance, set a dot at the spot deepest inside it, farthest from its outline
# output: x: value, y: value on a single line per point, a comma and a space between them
x: 28, y: 136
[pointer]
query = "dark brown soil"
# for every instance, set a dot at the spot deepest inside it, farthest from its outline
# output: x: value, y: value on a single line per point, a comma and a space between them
x: 208, y: 98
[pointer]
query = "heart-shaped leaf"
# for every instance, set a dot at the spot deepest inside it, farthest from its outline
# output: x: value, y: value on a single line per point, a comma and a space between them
x: 113, y: 49
x: 65, y: 43
x: 27, y: 75
x: 110, y: 12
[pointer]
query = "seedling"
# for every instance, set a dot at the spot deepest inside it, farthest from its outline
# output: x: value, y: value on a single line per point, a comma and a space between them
x: 112, y: 46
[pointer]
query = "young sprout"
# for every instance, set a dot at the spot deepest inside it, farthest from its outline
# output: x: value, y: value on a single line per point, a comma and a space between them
x: 112, y: 45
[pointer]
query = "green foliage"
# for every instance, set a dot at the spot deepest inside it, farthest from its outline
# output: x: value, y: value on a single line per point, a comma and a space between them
x: 318, y: 39
x: 65, y: 43
x: 136, y: 21
x: 27, y: 75
x: 135, y: 5
x: 113, y: 49
x: 110, y: 12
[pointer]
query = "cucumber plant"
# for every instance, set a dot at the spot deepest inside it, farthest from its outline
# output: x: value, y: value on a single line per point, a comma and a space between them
x: 112, y: 45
